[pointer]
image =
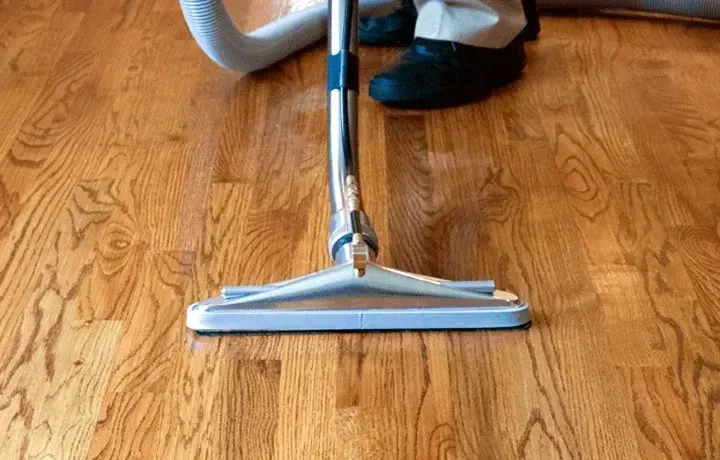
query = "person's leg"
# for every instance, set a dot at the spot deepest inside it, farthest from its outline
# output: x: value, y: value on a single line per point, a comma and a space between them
x: 394, y: 29
x: 398, y: 27
x: 483, y: 23
x: 462, y: 50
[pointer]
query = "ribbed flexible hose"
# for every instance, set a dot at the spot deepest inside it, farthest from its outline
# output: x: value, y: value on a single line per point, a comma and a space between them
x: 212, y: 28
x: 706, y: 9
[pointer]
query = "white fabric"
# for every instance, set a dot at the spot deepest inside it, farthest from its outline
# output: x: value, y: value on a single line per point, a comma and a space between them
x: 488, y: 23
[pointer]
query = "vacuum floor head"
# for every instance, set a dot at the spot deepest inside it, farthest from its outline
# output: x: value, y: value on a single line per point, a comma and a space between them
x: 337, y: 299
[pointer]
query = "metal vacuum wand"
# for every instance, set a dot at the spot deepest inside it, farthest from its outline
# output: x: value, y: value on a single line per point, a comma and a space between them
x: 356, y: 294
x: 352, y: 238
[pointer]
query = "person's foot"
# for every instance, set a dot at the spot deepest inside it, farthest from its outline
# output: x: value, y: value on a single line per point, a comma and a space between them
x: 532, y: 28
x: 395, y: 29
x: 436, y: 73
x: 398, y: 28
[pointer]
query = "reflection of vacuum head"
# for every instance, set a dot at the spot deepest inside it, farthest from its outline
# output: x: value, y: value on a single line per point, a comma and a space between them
x: 213, y: 29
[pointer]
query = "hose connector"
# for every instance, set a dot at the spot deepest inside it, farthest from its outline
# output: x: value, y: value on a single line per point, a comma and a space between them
x: 350, y: 228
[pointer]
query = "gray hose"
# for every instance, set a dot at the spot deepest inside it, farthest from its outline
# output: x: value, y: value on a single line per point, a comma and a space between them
x: 213, y: 29
x: 705, y: 9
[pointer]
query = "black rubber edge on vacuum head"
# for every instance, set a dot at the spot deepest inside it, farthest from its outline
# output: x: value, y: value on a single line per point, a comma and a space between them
x: 521, y: 327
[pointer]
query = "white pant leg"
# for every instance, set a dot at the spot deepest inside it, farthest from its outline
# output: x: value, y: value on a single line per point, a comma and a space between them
x: 485, y: 23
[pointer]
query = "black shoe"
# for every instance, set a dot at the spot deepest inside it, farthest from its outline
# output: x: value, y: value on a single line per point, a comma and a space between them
x: 398, y: 28
x: 532, y: 28
x: 435, y: 73
x: 395, y: 29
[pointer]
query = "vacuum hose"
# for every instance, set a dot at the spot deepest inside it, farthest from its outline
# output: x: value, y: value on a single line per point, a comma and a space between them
x: 213, y: 29
x: 705, y: 9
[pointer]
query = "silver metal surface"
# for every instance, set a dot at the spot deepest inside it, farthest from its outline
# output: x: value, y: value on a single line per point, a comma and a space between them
x: 336, y: 299
x: 341, y: 163
x: 336, y: 25
x: 351, y: 235
x: 341, y: 228
x: 480, y: 287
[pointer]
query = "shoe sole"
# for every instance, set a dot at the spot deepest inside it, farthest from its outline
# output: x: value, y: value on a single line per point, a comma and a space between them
x: 400, y: 97
x: 383, y: 39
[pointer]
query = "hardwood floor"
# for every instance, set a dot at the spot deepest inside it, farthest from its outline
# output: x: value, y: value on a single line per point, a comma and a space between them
x: 137, y: 177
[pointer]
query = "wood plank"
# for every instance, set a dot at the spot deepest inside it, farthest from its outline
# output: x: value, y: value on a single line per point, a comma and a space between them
x: 633, y: 334
x: 81, y: 383
x: 666, y: 427
x: 56, y: 362
x: 393, y: 396
x: 245, y: 402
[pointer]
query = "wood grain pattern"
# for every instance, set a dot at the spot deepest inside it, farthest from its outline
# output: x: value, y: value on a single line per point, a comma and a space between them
x: 136, y: 177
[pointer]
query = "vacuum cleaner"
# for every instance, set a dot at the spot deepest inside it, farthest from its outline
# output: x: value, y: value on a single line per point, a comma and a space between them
x: 356, y: 294
x: 214, y: 31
